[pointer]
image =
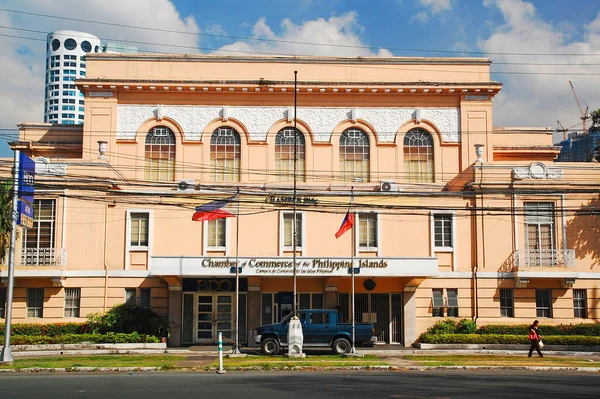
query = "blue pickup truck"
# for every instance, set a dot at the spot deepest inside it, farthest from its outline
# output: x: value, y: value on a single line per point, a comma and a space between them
x: 320, y: 329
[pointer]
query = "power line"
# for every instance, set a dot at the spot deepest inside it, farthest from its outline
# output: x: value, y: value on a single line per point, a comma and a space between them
x: 247, y: 38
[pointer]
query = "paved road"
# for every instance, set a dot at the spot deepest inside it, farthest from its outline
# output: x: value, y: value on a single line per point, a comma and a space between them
x: 297, y: 385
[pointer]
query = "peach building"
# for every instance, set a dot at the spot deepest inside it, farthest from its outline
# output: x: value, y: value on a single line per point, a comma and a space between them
x: 454, y: 218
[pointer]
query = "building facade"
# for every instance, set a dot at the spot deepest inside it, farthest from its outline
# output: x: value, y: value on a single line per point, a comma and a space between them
x: 454, y: 218
x: 65, y: 63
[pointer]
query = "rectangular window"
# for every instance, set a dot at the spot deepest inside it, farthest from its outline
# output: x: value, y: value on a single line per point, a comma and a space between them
x: 145, y: 297
x: 580, y: 303
x: 539, y: 234
x: 288, y: 239
x: 2, y: 302
x: 543, y: 303
x: 442, y: 231
x: 130, y: 296
x: 35, y: 302
x: 452, y: 302
x: 507, y: 302
x: 72, y: 301
x: 367, y: 233
x: 140, y: 229
x: 437, y: 300
x: 38, y: 241
x: 216, y: 233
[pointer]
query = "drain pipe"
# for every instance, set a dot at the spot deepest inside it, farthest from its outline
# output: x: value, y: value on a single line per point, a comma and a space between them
x: 105, y: 262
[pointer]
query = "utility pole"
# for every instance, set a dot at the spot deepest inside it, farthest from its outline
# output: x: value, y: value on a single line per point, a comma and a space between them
x: 6, y: 355
x: 294, y: 310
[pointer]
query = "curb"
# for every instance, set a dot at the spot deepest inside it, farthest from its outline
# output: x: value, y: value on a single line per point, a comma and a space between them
x: 303, y: 368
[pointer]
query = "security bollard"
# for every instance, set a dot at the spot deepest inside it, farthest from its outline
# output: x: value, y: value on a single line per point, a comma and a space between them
x: 220, y: 370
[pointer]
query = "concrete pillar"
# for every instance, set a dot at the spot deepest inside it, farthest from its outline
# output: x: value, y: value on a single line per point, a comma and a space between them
x: 175, y: 303
x: 410, y: 315
x: 331, y: 297
x: 254, y: 299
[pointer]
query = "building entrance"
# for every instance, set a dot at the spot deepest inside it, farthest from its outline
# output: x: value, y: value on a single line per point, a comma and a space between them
x: 211, y: 309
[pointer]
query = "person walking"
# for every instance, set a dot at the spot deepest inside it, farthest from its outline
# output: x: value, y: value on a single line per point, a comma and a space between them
x: 535, y: 338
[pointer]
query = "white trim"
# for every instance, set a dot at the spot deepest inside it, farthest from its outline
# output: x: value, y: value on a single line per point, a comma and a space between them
x: 435, y: 249
x: 48, y: 273
x: 282, y: 247
x: 206, y: 248
x: 356, y: 229
x: 513, y: 275
x: 128, y: 247
x: 64, y: 223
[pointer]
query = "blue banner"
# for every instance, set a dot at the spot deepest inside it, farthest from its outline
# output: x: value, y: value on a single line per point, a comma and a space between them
x: 26, y: 190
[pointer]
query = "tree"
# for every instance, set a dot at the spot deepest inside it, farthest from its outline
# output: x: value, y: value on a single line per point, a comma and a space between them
x: 5, y: 218
x: 595, y: 115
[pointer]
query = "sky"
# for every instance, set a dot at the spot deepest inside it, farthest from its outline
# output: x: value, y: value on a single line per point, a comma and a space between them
x: 536, y: 46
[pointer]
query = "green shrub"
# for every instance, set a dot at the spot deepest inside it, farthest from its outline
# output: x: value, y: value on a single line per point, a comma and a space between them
x: 110, y: 338
x: 447, y: 326
x: 466, y: 326
x: 50, y: 329
x: 127, y: 319
x: 561, y: 329
x: 506, y: 339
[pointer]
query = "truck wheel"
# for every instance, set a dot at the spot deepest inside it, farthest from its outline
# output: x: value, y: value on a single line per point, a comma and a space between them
x: 340, y: 346
x: 270, y: 347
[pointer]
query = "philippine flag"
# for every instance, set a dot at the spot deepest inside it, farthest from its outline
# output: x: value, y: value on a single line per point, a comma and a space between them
x: 213, y: 211
x: 347, y: 224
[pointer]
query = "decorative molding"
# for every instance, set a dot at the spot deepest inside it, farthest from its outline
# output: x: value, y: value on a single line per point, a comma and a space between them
x: 58, y: 281
x: 159, y: 112
x: 43, y: 167
x: 417, y: 116
x: 225, y: 113
x: 258, y: 120
x: 537, y: 170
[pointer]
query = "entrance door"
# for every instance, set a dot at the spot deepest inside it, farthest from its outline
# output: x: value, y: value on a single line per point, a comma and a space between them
x: 214, y: 315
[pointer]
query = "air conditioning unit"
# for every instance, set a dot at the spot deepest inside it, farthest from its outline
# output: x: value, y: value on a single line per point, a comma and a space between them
x: 186, y: 185
x: 387, y: 185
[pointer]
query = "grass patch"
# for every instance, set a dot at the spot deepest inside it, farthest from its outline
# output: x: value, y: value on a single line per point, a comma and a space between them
x: 503, y: 360
x: 164, y: 361
x: 280, y: 362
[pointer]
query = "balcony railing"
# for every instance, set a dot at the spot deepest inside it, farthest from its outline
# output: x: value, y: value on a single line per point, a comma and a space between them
x: 43, y: 257
x: 544, y: 258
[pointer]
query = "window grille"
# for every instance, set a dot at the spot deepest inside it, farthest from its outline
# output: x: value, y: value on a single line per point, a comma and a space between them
x: 354, y: 155
x: 418, y: 156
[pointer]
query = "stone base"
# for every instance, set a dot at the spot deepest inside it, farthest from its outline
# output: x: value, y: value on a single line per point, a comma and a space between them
x: 234, y: 355
x: 355, y: 354
x: 296, y: 355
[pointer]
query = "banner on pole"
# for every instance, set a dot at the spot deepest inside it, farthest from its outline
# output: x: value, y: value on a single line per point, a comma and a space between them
x: 26, y: 191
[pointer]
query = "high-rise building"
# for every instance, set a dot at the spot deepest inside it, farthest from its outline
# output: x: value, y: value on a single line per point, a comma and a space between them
x: 65, y: 62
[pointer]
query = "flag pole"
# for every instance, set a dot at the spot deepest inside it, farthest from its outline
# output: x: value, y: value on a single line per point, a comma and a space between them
x: 294, y: 197
x: 236, y: 349
x: 353, y: 245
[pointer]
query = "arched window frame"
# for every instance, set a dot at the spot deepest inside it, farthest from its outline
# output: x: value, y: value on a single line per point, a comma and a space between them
x: 355, y: 155
x: 159, y: 154
x: 225, y: 148
x: 284, y: 155
x: 418, y: 150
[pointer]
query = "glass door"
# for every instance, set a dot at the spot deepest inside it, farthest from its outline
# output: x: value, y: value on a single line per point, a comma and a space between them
x: 223, y: 316
x: 204, y: 332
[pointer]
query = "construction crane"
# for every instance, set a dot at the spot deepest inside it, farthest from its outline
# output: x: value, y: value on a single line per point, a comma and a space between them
x: 584, y: 115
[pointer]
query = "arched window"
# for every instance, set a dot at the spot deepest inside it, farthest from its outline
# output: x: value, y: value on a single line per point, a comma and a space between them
x: 160, y: 154
x: 284, y: 154
x: 354, y: 155
x: 225, y: 155
x: 418, y: 156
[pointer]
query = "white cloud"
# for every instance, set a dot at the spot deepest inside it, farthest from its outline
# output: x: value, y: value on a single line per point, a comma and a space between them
x: 341, y: 32
x: 432, y: 8
x: 436, y: 6
x: 23, y: 61
x: 540, y: 95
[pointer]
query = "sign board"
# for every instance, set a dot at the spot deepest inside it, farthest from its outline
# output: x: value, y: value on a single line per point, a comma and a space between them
x: 25, y: 210
x: 283, y: 266
x: 26, y: 190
